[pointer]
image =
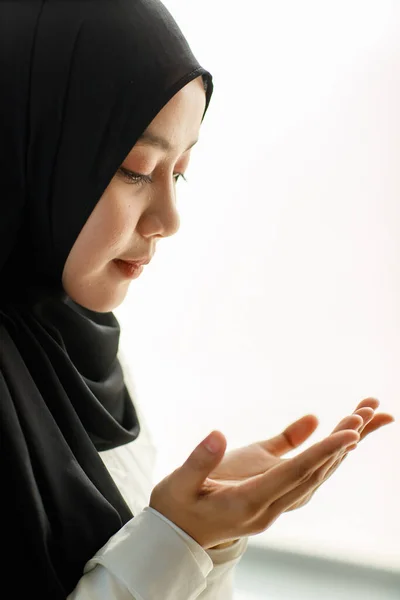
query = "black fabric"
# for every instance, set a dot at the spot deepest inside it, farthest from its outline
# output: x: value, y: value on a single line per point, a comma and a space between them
x: 80, y: 81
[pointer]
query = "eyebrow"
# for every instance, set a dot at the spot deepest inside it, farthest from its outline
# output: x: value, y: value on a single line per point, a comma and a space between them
x: 152, y: 139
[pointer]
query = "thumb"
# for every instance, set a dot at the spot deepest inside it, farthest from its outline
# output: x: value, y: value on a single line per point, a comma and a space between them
x: 201, y: 462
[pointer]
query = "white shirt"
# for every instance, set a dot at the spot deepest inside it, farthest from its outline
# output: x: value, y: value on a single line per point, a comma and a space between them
x: 151, y: 558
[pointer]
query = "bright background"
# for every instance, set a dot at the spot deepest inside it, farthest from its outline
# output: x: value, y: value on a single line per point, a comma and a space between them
x: 280, y: 295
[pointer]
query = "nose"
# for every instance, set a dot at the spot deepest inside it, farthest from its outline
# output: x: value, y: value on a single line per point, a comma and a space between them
x: 161, y: 219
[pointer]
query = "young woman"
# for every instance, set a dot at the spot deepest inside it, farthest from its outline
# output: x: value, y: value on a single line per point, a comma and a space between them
x: 101, y: 103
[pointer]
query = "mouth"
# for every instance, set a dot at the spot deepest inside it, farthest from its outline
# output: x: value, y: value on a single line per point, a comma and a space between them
x: 130, y: 269
x: 137, y: 261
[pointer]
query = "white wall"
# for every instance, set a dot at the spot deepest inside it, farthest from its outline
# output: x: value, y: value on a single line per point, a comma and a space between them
x: 280, y: 295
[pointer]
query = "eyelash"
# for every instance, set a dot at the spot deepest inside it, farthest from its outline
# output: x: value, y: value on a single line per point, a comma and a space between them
x: 138, y: 179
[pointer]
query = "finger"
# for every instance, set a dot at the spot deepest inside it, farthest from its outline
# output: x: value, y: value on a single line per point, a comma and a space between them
x: 357, y: 422
x: 367, y: 413
x: 321, y: 475
x: 360, y: 418
x: 330, y: 467
x: 299, y: 493
x: 292, y: 437
x: 324, y: 473
x: 349, y: 422
x: 378, y: 421
x: 374, y: 424
x: 368, y: 402
x: 189, y: 477
x: 370, y: 424
x: 292, y: 472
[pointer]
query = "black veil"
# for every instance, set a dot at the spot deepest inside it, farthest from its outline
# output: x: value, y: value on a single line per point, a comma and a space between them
x: 80, y: 81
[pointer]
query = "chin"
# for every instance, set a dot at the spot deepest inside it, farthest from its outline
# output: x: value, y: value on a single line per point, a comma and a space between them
x: 100, y: 300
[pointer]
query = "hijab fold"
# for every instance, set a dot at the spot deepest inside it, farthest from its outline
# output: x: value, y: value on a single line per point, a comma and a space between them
x: 81, y: 81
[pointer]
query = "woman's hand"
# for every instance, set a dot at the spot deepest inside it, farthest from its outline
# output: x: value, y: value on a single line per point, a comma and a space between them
x: 259, y: 457
x: 215, y: 511
x: 216, y: 501
x: 241, y: 463
x: 369, y: 422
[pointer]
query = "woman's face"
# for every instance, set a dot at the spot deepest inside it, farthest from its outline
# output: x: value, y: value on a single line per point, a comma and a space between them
x: 133, y: 214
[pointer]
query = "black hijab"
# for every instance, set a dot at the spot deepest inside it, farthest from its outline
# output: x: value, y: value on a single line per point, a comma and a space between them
x: 80, y: 81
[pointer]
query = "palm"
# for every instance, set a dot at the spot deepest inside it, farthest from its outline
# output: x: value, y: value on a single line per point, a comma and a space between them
x: 245, y: 462
x: 259, y: 457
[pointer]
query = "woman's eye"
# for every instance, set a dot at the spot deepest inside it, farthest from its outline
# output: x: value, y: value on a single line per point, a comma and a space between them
x: 178, y: 175
x: 132, y: 177
x: 138, y: 179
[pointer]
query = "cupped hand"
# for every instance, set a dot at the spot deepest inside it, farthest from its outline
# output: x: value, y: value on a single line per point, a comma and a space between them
x: 252, y: 460
x: 217, y: 497
x: 216, y: 511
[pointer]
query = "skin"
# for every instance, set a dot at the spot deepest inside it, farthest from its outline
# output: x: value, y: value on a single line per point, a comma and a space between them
x: 218, y: 498
x: 131, y: 217
x: 254, y: 481
x: 250, y: 461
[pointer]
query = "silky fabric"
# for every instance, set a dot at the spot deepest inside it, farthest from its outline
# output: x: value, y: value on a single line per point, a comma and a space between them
x: 80, y: 82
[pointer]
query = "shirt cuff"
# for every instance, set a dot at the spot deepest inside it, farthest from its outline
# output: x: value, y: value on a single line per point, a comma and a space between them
x: 223, y: 559
x: 218, y: 555
x: 223, y: 555
x: 155, y: 559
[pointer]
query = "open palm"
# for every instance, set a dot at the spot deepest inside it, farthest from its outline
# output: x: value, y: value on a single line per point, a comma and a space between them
x: 259, y: 457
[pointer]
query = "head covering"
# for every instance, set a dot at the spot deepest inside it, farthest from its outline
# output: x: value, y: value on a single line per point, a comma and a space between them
x: 80, y: 82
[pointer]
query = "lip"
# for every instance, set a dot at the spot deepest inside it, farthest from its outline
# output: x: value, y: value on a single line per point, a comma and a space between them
x: 129, y: 269
x: 137, y: 262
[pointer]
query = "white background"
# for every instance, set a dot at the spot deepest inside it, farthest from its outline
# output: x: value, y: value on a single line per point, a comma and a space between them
x: 280, y: 295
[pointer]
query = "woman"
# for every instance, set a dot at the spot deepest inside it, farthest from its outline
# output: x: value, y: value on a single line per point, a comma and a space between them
x: 101, y: 103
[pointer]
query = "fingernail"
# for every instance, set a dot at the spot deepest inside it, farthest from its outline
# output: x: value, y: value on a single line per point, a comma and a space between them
x: 212, y: 443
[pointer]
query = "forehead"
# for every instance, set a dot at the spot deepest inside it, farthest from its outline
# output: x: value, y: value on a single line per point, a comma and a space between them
x: 178, y: 122
x: 148, y: 138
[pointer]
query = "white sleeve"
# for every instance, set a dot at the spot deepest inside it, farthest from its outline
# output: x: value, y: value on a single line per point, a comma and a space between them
x: 161, y: 560
x: 220, y: 580
x: 151, y: 558
x: 145, y: 560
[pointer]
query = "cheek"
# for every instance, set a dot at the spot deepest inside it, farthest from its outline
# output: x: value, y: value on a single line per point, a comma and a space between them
x: 112, y: 223
x: 107, y: 233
